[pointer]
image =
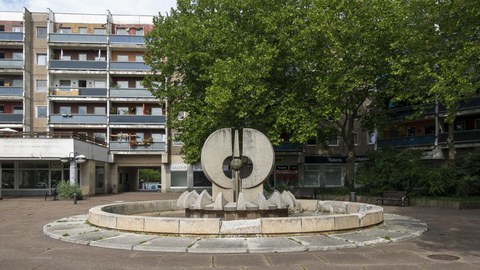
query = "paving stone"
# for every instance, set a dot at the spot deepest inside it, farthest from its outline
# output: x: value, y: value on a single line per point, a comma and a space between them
x: 323, y: 242
x: 246, y: 260
x: 219, y: 245
x: 360, y: 239
x: 86, y: 238
x: 123, y: 241
x: 167, y: 244
x: 273, y: 244
x: 280, y: 259
x: 338, y: 258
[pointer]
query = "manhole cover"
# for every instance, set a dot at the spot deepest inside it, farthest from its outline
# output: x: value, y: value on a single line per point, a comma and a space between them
x: 443, y: 257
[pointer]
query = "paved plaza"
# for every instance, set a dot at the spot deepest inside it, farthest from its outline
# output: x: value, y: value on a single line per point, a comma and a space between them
x: 451, y: 242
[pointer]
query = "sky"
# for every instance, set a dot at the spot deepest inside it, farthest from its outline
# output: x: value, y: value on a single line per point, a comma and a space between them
x: 120, y: 7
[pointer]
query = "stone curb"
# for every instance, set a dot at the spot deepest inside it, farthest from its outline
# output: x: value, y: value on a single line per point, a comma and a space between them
x: 74, y: 230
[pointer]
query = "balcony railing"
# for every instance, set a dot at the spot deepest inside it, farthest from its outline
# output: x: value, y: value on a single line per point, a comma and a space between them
x: 53, y: 135
x: 79, y: 92
x: 128, y: 146
x: 11, y: 36
x: 126, y: 39
x: 11, y: 63
x: 468, y: 136
x: 137, y: 119
x: 426, y: 140
x: 78, y: 65
x: 11, y: 91
x: 78, y: 38
x: 78, y: 119
x: 11, y: 118
x: 130, y: 92
x: 129, y: 66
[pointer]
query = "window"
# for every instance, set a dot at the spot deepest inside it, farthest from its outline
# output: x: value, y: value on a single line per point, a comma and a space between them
x: 157, y: 111
x: 122, y: 58
x: 41, y: 32
x: 99, y: 84
x: 65, y: 30
x: 312, y: 176
x: 17, y: 56
x: 459, y: 126
x: 65, y: 83
x: 477, y: 123
x: 66, y: 57
x: 82, y: 30
x: 372, y: 137
x: 18, y: 109
x: 158, y: 137
x: 122, y: 110
x: 139, y: 110
x: 17, y: 29
x: 355, y: 138
x: 41, y: 86
x: 122, y: 84
x: 2, y: 55
x: 99, y: 31
x: 138, y: 58
x: 2, y: 28
x: 430, y: 129
x: 138, y: 84
x: 312, y: 142
x: 99, y: 136
x: 17, y: 82
x: 82, y: 110
x: 41, y: 111
x: 140, y: 32
x: 99, y: 111
x: 333, y: 141
x: 82, y: 83
x: 140, y: 136
x: 41, y: 59
x: 82, y: 57
x: 410, y: 131
x: 122, y: 31
x: 65, y: 110
x: 333, y: 176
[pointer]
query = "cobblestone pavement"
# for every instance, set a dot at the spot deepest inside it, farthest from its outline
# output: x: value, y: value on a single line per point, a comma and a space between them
x: 451, y: 242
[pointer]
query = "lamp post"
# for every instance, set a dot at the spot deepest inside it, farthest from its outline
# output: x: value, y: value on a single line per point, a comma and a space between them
x: 74, y: 158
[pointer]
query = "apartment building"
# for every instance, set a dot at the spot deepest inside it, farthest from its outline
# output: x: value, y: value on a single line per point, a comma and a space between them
x: 71, y: 85
x: 429, y: 131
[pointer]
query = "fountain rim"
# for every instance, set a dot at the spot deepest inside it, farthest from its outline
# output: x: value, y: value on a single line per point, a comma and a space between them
x: 121, y: 216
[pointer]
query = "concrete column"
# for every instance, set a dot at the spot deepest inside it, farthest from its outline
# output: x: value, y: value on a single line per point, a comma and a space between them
x: 87, y: 182
x: 113, y: 169
x: 166, y: 178
x: 190, y: 177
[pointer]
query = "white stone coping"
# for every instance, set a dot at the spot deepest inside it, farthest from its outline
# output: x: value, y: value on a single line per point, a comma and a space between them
x: 345, y: 216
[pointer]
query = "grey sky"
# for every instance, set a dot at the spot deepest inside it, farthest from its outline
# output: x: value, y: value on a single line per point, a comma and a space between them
x: 134, y: 7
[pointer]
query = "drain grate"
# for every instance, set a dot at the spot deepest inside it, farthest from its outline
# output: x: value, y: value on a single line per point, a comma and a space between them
x: 443, y: 257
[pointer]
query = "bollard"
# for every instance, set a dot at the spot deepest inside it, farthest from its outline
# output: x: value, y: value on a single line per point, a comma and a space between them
x: 353, y: 196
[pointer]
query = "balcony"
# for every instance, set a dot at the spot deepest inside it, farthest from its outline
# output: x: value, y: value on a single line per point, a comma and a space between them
x: 78, y: 119
x: 11, y: 91
x: 288, y: 147
x: 11, y: 118
x: 78, y: 65
x: 78, y: 38
x: 459, y: 137
x: 11, y: 36
x: 137, y: 119
x: 128, y: 146
x: 130, y: 93
x: 78, y: 92
x: 127, y: 39
x: 129, y: 66
x: 413, y: 141
x: 11, y: 63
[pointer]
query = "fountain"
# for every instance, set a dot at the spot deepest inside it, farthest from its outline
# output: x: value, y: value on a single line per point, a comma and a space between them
x: 238, y: 206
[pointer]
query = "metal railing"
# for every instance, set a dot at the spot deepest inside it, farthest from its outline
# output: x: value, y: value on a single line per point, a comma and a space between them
x: 53, y: 135
x: 134, y: 146
x: 11, y: 91
x: 127, y: 39
x: 78, y: 119
x: 467, y: 136
x: 80, y: 91
x: 78, y: 65
x: 78, y: 38
x: 11, y: 36
x: 11, y: 63
x: 11, y: 118
x: 137, y: 119
x: 127, y: 66
x: 130, y: 92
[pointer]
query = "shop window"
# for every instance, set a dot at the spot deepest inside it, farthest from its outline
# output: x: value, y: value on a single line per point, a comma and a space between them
x: 99, y: 176
x: 178, y: 178
x: 41, y: 32
x: 333, y: 176
x: 8, y: 179
x: 312, y: 176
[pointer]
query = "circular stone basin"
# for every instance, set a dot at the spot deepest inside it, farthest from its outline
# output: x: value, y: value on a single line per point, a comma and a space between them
x: 330, y: 216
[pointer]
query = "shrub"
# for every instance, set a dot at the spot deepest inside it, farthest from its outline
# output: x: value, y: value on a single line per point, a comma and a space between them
x: 468, y: 174
x: 66, y: 191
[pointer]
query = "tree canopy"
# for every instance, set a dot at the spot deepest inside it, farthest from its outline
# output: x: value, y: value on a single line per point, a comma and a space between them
x: 304, y: 67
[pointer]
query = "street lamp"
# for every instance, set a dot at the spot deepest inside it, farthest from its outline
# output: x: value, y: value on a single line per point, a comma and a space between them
x: 74, y: 158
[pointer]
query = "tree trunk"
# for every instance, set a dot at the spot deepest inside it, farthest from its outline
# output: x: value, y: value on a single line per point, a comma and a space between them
x: 349, y: 178
x: 452, y: 152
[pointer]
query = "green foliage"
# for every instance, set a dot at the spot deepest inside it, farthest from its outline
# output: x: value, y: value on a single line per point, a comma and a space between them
x: 151, y: 175
x: 390, y: 169
x: 66, y: 191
